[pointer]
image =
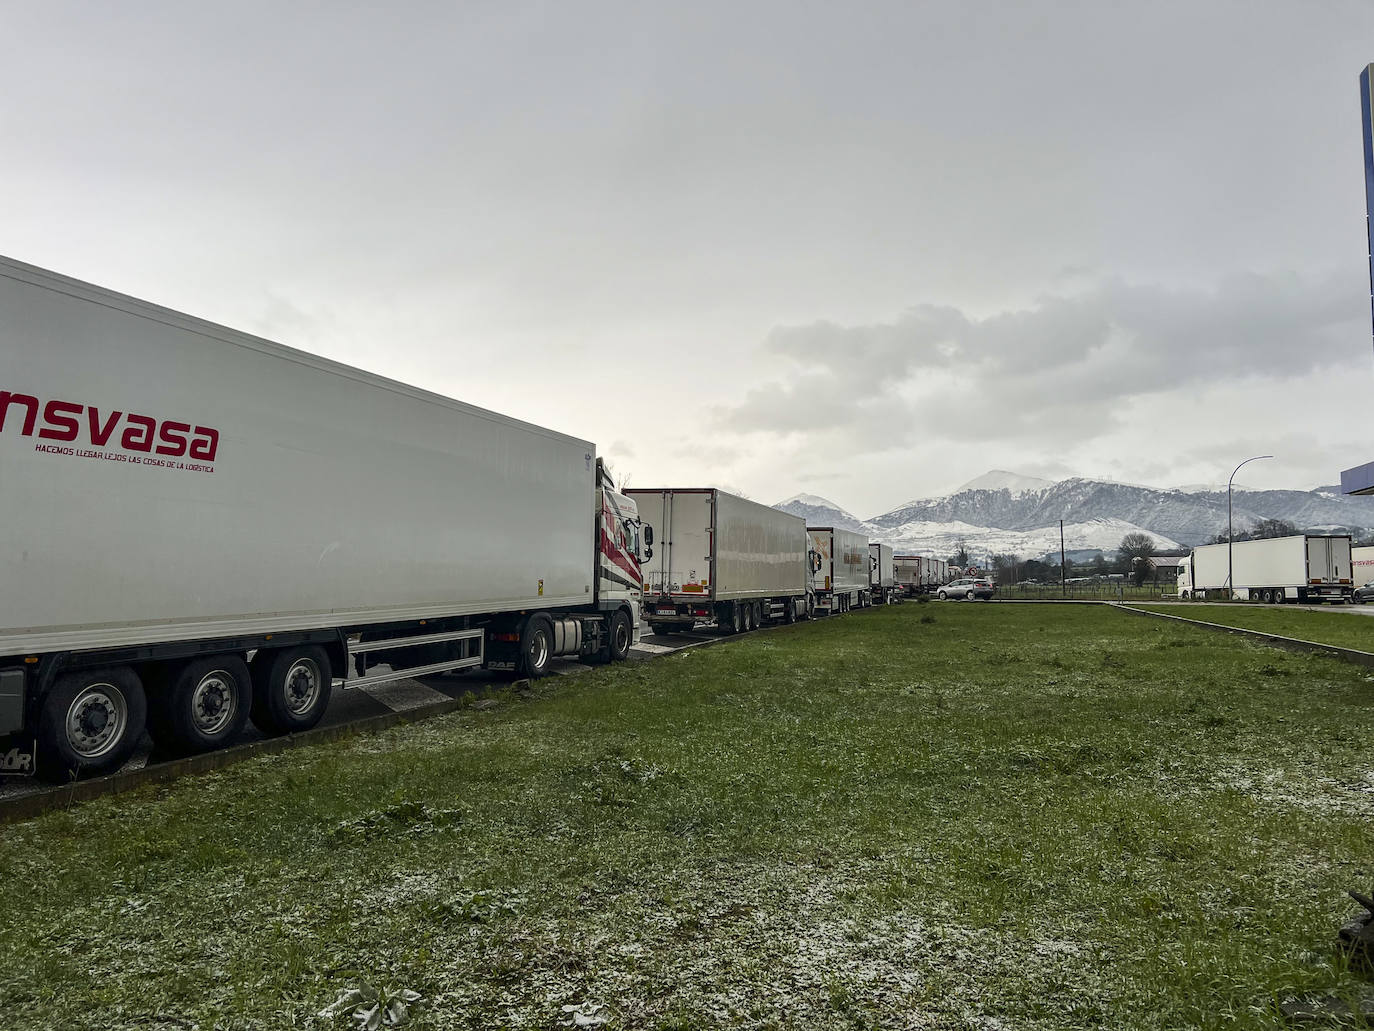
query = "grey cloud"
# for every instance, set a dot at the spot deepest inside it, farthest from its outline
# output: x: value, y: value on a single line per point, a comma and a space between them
x: 1052, y: 372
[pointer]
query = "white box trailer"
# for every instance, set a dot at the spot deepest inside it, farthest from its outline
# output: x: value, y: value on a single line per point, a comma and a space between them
x: 179, y: 496
x: 919, y: 574
x: 1362, y: 563
x: 882, y: 578
x: 906, y: 571
x: 720, y: 558
x: 1302, y: 568
x: 839, y: 568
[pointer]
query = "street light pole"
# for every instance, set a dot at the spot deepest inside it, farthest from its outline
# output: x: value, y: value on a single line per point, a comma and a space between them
x: 1230, y: 537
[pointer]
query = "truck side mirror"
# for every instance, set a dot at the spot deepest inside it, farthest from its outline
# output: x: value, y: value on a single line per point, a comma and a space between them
x: 649, y: 537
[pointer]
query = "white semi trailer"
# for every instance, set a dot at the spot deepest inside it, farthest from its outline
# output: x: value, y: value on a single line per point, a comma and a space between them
x: 919, y: 574
x: 937, y: 573
x: 1301, y: 568
x: 1362, y: 562
x: 721, y: 558
x: 201, y: 525
x: 906, y: 570
x: 882, y: 579
x: 839, y: 568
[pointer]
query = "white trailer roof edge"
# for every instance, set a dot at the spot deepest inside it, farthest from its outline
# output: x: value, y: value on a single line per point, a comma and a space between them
x: 711, y: 490
x: 82, y: 290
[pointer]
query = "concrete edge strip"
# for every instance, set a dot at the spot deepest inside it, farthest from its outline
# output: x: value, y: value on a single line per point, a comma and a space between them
x: 65, y: 796
x: 1351, y: 655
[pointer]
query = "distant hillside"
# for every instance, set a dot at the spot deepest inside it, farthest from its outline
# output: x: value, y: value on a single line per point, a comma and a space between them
x: 1188, y: 518
x: 820, y: 512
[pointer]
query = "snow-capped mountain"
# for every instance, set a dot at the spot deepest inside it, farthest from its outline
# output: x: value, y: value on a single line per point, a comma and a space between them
x: 818, y: 511
x: 1000, y: 479
x: 982, y: 541
x: 1188, y: 518
x: 1002, y: 512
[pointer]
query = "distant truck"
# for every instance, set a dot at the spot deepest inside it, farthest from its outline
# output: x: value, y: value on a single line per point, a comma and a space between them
x: 1362, y: 562
x: 919, y: 574
x: 721, y: 559
x: 1301, y: 568
x: 839, y: 569
x: 202, y: 526
x: 882, y: 583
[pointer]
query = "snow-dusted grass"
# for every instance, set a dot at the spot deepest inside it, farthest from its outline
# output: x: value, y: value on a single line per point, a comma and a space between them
x: 1344, y: 629
x: 992, y: 817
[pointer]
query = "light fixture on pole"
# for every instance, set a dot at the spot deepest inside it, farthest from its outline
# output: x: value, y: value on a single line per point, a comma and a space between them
x: 1230, y: 537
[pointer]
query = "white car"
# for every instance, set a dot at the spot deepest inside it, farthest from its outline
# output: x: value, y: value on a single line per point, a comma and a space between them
x: 969, y: 587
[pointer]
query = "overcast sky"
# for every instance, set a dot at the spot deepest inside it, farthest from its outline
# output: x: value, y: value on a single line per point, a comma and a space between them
x: 867, y: 251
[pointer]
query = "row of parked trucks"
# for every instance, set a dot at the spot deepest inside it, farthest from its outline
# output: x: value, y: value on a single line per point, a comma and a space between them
x: 203, y: 527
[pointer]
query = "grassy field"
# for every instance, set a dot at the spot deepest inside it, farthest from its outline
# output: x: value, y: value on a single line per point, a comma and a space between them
x: 932, y: 816
x: 1340, y: 628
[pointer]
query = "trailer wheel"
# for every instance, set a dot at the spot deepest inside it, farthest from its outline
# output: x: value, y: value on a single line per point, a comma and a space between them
x: 622, y: 633
x: 205, y: 707
x: 291, y: 688
x: 536, y: 647
x: 756, y: 617
x: 90, y: 723
x: 789, y: 610
x: 1279, y: 597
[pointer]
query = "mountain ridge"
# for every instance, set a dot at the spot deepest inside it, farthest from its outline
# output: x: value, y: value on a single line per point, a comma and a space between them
x: 1012, y: 516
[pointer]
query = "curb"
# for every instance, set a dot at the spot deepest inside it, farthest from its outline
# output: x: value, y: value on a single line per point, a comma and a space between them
x: 1293, y: 644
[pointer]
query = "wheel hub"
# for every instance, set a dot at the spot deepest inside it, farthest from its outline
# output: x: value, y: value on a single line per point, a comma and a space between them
x: 302, y: 687
x: 96, y: 721
x: 212, y: 706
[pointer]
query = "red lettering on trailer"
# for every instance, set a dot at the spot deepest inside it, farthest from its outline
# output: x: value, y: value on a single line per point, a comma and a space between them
x: 61, y: 421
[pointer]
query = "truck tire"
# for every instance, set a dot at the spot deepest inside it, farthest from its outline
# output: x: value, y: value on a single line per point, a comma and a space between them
x: 204, y: 707
x: 536, y: 647
x: 291, y: 688
x: 810, y: 606
x: 90, y: 723
x: 621, y: 635
x: 756, y: 615
x: 789, y: 610
x: 735, y: 623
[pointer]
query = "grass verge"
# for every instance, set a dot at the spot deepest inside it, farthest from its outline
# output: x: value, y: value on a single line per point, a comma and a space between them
x: 946, y: 815
x: 1341, y: 629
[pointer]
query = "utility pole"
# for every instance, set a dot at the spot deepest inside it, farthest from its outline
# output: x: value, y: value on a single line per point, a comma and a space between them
x: 1063, y: 583
x: 1230, y: 581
